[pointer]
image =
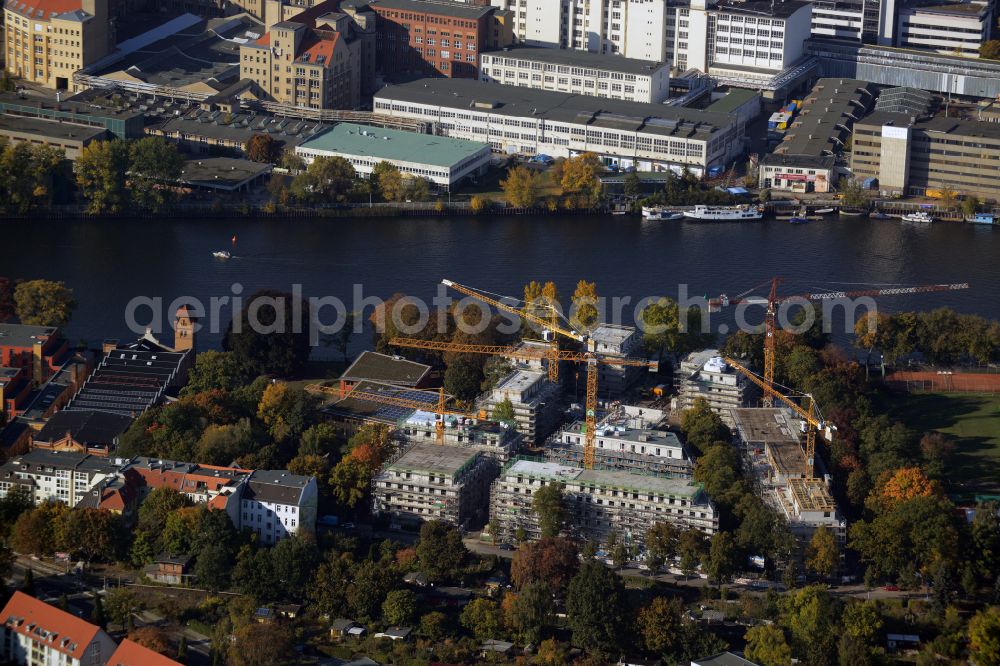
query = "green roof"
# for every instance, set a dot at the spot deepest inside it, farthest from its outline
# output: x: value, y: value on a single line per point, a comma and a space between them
x: 734, y: 99
x: 388, y: 144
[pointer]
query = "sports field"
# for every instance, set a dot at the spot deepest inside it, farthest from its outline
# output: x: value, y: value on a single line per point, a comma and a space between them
x: 973, y: 421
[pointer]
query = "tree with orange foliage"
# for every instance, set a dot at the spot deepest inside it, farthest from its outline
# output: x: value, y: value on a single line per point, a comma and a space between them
x: 901, y: 486
x: 151, y: 637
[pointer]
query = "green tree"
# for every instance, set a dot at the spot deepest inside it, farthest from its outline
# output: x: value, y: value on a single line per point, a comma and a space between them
x: 822, y: 554
x: 503, y: 411
x: 271, y: 335
x: 262, y: 147
x: 440, y: 550
x: 158, y: 505
x: 702, y: 427
x: 121, y: 603
x: 463, y: 378
x: 666, y: 332
x: 691, y: 546
x: 388, y: 181
x: 37, y: 531
x: 766, y: 645
x: 154, y: 169
x: 434, y: 625
x: 521, y: 187
x: 44, y: 303
x: 970, y: 205
x: 100, y: 173
x: 853, y: 194
x: 213, y: 370
x: 212, y: 567
x: 632, y: 185
x: 862, y: 620
x: 291, y: 161
x: 325, y: 180
x: 810, y: 615
x: 530, y: 611
x: 349, y: 481
x: 27, y: 175
x: 482, y: 617
x: 399, y: 607
x: 97, y: 615
x: 660, y: 624
x: 321, y: 439
x: 547, y: 503
x: 595, y: 606
x: 722, y: 561
x: 661, y: 544
x: 256, y: 644
x: 93, y: 534
x: 369, y: 584
x: 416, y: 188
x: 984, y: 637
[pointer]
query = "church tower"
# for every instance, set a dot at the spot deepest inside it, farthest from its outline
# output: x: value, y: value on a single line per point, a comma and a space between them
x: 184, y: 323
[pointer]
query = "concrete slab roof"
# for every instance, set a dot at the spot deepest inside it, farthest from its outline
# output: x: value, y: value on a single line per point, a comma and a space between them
x: 394, y: 145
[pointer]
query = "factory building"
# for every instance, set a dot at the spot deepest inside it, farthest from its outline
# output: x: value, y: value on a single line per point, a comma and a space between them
x: 598, y: 502
x: 431, y: 482
x: 704, y: 374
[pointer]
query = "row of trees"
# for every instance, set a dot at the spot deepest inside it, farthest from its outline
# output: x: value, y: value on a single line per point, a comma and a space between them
x: 330, y: 180
x: 28, y: 175
x: 577, y: 180
x: 116, y: 175
x: 941, y: 336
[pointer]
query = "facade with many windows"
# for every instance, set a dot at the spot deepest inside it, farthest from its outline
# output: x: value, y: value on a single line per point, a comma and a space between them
x: 651, y: 137
x: 950, y: 29
x: 62, y: 476
x: 38, y: 634
x: 599, y: 501
x: 48, y: 40
x: 277, y: 504
x: 578, y: 73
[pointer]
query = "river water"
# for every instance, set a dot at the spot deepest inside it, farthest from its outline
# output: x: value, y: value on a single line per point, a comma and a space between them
x: 108, y: 263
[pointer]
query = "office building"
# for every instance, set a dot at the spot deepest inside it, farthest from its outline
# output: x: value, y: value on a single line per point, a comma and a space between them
x: 628, y: 438
x: 443, y: 161
x: 598, y: 501
x: 650, y: 137
x: 436, y: 37
x: 947, y: 28
x: 911, y: 156
x: 859, y: 20
x: 578, y: 72
x: 48, y: 40
x: 741, y: 40
x: 535, y: 401
x: 640, y: 29
x: 38, y: 634
x: 705, y: 375
x: 432, y: 482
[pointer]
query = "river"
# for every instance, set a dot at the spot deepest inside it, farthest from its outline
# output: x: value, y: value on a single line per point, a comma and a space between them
x: 108, y: 263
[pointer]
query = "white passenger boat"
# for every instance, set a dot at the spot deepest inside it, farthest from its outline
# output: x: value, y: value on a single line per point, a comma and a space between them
x: 725, y: 213
x: 661, y: 214
x: 918, y: 217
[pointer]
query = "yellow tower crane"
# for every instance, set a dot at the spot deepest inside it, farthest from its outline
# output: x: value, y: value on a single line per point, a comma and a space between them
x: 808, y: 413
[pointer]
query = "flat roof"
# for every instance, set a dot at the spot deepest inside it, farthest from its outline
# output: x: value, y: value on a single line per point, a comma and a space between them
x: 610, y: 335
x: 957, y: 8
x: 228, y: 172
x: 597, y: 112
x: 782, y: 9
x: 764, y: 425
x: 23, y: 335
x: 520, y: 380
x: 50, y: 129
x: 619, y: 479
x: 384, y: 368
x: 388, y: 144
x: 800, y: 161
x: 831, y: 102
x: 578, y: 58
x: 937, y: 125
x: 654, y: 436
x: 49, y: 106
x: 438, y: 459
x: 439, y: 7
x: 734, y: 99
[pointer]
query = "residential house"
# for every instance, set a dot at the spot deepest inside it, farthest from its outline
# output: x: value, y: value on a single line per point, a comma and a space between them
x: 36, y: 633
x: 130, y: 653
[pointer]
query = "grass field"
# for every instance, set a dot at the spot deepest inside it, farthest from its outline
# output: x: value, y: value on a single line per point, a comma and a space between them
x: 973, y: 420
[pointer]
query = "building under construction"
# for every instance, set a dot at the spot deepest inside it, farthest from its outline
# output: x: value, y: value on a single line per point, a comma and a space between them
x: 496, y: 440
x: 770, y: 441
x: 433, y: 482
x: 706, y: 375
x: 535, y: 400
x: 598, y: 501
x: 627, y: 438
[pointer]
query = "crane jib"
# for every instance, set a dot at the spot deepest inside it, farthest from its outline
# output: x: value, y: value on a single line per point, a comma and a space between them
x: 894, y: 291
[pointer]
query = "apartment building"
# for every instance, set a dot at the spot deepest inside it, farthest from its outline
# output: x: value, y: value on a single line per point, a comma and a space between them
x: 62, y: 476
x: 640, y: 29
x: 277, y: 504
x: 436, y: 37
x: 626, y: 443
x: 598, y: 501
x: 199, y: 483
x: 38, y: 349
x: 911, y: 155
x: 495, y: 440
x: 611, y: 342
x: 535, y: 401
x: 433, y: 482
x: 947, y: 28
x: 38, y: 634
x: 48, y: 40
x: 578, y: 72
x: 650, y: 137
x: 742, y: 40
x: 705, y: 375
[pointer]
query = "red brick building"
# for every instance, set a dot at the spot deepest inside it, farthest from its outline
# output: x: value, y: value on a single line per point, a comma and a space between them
x: 40, y: 349
x: 436, y: 36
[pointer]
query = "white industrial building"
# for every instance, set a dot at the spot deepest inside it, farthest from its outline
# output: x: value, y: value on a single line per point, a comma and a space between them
x: 950, y: 29
x: 599, y: 501
x: 441, y: 160
x: 577, y: 72
x: 650, y: 137
x: 638, y: 29
x: 742, y: 40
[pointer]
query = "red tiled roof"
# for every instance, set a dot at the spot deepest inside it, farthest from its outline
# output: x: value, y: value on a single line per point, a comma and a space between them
x: 265, y: 40
x: 324, y: 46
x: 130, y: 653
x: 31, y: 8
x: 66, y: 633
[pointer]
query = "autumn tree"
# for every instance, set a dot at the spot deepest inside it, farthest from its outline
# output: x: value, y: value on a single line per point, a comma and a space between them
x: 271, y: 334
x: 660, y: 624
x: 901, y: 486
x: 261, y: 147
x: 521, y: 187
x: 580, y: 180
x: 482, y: 617
x: 553, y: 560
x: 767, y: 646
x: 27, y: 175
x: 152, y: 638
x: 584, y: 310
x: 256, y: 644
x: 990, y: 49
x: 547, y: 503
x: 43, y: 303
x: 822, y: 555
x: 388, y: 181
x: 325, y: 180
x: 984, y: 637
x: 100, y: 170
x: 154, y: 169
